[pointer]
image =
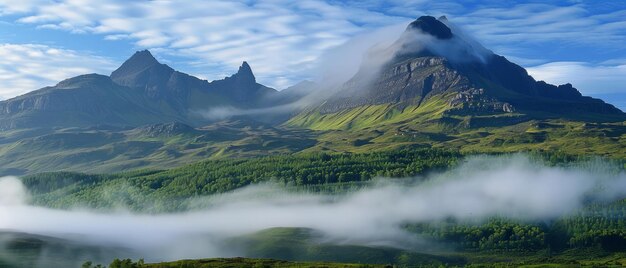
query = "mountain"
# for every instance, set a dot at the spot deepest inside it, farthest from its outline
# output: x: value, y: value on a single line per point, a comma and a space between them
x: 436, y: 72
x: 84, y: 100
x: 433, y: 87
x: 141, y: 91
x: 242, y: 87
x: 160, y: 82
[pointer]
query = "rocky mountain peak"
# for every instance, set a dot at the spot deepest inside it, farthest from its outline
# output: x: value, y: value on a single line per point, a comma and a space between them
x: 244, y: 74
x: 138, y: 62
x: 430, y: 25
x: 143, y: 71
x: 430, y: 62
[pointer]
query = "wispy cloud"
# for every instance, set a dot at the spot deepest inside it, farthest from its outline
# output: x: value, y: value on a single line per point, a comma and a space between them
x: 283, y: 39
x: 25, y: 67
x: 588, y: 78
x: 280, y: 39
x: 513, y: 29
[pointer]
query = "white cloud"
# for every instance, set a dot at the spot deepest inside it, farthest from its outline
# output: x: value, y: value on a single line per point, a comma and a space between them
x: 283, y: 39
x: 588, y: 78
x: 25, y: 67
x: 279, y: 38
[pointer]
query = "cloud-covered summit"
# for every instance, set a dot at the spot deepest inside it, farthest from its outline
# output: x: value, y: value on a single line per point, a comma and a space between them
x: 284, y: 39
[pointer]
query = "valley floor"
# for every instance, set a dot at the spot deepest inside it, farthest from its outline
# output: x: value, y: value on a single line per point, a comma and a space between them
x: 571, y: 258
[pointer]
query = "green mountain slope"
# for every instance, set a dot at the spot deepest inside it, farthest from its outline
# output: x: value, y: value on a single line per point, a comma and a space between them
x: 442, y: 89
x: 114, y: 149
x: 81, y: 101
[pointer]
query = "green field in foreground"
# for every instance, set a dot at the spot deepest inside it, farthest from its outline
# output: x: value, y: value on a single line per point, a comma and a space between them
x: 565, y: 261
x: 296, y: 247
x: 240, y: 262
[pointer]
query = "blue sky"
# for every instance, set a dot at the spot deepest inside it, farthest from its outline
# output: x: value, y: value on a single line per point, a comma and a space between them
x: 44, y: 41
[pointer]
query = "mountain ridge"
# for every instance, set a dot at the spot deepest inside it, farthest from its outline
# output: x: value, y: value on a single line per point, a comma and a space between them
x: 141, y: 89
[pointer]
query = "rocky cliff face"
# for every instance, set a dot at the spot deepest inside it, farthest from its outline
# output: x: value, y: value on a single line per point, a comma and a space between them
x: 242, y: 87
x: 408, y: 82
x: 430, y: 59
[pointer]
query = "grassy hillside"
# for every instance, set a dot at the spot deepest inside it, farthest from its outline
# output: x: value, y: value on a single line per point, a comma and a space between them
x: 300, y: 244
x: 109, y: 149
x: 247, y: 262
x: 363, y: 129
x: 21, y: 250
x: 386, y: 126
x: 570, y: 259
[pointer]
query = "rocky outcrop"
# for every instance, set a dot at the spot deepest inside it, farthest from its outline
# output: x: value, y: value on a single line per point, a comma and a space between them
x: 242, y: 87
x: 475, y: 101
x: 166, y: 130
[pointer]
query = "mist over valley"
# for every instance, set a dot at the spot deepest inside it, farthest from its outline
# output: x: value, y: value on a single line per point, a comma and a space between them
x: 410, y: 144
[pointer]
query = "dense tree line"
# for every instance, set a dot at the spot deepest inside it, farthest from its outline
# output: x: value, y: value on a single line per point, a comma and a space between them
x: 495, y: 234
x: 170, y: 189
x: 598, y: 225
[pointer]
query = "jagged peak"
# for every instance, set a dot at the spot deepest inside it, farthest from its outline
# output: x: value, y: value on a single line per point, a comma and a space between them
x: 430, y: 25
x: 143, y: 57
x: 245, y: 72
x: 138, y: 62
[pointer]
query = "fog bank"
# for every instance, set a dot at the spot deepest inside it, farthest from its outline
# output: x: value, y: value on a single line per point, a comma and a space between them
x: 513, y: 187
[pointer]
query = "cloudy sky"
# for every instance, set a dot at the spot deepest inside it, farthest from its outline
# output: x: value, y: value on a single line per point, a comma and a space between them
x: 44, y: 41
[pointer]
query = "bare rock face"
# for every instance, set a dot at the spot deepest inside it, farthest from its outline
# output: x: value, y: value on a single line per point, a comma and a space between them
x: 409, y: 83
x: 242, y: 86
x: 475, y: 101
x: 478, y: 82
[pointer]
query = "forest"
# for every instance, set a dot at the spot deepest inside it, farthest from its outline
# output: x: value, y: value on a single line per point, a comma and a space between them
x: 598, y: 225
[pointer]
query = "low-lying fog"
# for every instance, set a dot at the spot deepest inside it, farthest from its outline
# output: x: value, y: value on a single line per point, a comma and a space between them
x: 511, y: 186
